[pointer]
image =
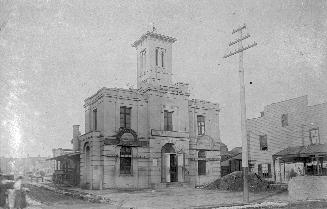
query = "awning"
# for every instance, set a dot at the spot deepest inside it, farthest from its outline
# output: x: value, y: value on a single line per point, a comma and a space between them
x: 298, y: 152
x: 65, y: 156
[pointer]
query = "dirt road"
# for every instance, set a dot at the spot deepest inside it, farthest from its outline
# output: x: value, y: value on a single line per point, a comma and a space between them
x: 39, y: 198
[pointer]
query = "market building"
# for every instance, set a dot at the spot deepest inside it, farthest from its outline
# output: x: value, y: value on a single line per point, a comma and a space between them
x: 151, y: 136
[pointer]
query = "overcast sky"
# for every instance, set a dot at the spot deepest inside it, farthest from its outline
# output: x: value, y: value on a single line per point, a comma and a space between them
x: 54, y: 54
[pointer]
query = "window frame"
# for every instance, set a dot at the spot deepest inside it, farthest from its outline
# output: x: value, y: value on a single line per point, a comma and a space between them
x: 125, y: 117
x: 95, y: 119
x: 125, y: 155
x: 143, y: 58
x: 261, y: 173
x: 284, y: 120
x: 201, y: 125
x: 168, y: 120
x: 261, y: 138
x: 157, y: 56
x: 318, y: 136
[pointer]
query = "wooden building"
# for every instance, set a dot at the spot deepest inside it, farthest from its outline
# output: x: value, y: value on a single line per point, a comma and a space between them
x: 283, y: 128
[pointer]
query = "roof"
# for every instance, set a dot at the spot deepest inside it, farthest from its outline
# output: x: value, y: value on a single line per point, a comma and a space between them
x: 154, y: 35
x: 65, y: 156
x: 314, y: 149
x: 303, y: 151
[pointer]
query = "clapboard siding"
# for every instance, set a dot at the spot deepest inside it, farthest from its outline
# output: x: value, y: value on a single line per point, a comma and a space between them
x: 301, y: 118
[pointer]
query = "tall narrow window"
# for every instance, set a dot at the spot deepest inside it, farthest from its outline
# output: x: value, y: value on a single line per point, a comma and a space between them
x: 126, y: 160
x: 201, y: 124
x: 284, y: 120
x: 95, y: 119
x: 157, y: 56
x: 263, y: 142
x: 314, y: 136
x: 143, y: 59
x: 202, y: 162
x: 168, y: 121
x: 162, y: 58
x: 125, y: 117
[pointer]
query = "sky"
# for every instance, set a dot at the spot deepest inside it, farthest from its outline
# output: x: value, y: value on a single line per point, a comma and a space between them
x: 54, y: 54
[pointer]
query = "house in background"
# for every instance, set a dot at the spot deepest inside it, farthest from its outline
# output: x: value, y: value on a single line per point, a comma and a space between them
x: 288, y: 137
x: 152, y: 136
x: 231, y: 161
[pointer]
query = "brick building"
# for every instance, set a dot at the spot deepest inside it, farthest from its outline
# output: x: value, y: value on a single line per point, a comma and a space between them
x: 285, y: 127
x: 150, y: 136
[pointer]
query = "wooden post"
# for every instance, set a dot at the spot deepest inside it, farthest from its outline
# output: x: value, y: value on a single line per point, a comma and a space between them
x: 274, y: 167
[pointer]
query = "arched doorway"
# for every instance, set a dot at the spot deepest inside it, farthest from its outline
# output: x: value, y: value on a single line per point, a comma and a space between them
x: 169, y: 164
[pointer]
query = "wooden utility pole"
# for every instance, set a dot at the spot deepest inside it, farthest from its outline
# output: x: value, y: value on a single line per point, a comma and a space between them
x: 245, y: 159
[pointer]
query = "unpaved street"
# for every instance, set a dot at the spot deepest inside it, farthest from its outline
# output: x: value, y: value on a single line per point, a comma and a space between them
x: 39, y: 198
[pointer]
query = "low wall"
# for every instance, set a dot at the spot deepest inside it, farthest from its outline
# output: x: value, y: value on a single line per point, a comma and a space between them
x: 308, y: 187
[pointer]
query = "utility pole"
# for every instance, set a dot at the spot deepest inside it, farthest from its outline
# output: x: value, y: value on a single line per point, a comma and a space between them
x: 245, y: 159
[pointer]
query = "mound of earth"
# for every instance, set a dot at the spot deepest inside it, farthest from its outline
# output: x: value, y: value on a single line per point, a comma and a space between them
x: 234, y: 182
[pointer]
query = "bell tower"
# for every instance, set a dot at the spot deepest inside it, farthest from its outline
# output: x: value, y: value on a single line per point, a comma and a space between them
x: 154, y: 60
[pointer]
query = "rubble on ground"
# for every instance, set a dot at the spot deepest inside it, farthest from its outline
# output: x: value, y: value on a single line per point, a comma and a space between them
x: 234, y: 182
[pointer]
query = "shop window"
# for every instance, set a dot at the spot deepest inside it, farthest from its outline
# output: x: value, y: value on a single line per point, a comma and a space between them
x: 126, y: 160
x: 263, y: 142
x: 202, y: 163
x: 168, y: 120
x: 201, y: 124
x: 125, y: 117
x: 284, y: 120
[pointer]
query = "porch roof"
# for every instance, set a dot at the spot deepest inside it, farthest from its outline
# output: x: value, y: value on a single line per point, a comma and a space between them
x: 291, y: 153
x: 65, y: 156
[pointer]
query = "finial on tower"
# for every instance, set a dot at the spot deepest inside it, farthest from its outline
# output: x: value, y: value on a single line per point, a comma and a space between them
x: 153, y: 27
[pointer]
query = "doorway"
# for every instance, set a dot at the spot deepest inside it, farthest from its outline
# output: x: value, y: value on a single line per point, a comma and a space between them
x: 169, y: 164
x: 173, y: 168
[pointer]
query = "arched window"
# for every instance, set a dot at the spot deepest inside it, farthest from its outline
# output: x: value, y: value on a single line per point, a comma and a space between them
x: 202, y: 163
x: 126, y: 160
x: 157, y: 56
x: 162, y: 58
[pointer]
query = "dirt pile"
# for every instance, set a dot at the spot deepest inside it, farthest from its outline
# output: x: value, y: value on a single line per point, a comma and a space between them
x: 234, y: 182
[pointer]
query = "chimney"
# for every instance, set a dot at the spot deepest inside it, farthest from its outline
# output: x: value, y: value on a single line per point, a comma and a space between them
x: 75, y: 139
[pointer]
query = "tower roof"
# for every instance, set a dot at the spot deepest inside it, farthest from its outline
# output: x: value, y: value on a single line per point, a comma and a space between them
x: 153, y: 35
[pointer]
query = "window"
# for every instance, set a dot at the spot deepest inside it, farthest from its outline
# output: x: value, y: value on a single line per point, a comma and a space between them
x: 126, y: 160
x: 202, y: 163
x: 143, y: 59
x: 157, y: 56
x: 263, y: 142
x: 160, y: 57
x: 95, y: 118
x: 284, y: 120
x: 314, y: 136
x: 168, y: 120
x: 264, y: 170
x: 125, y: 117
x: 201, y: 124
